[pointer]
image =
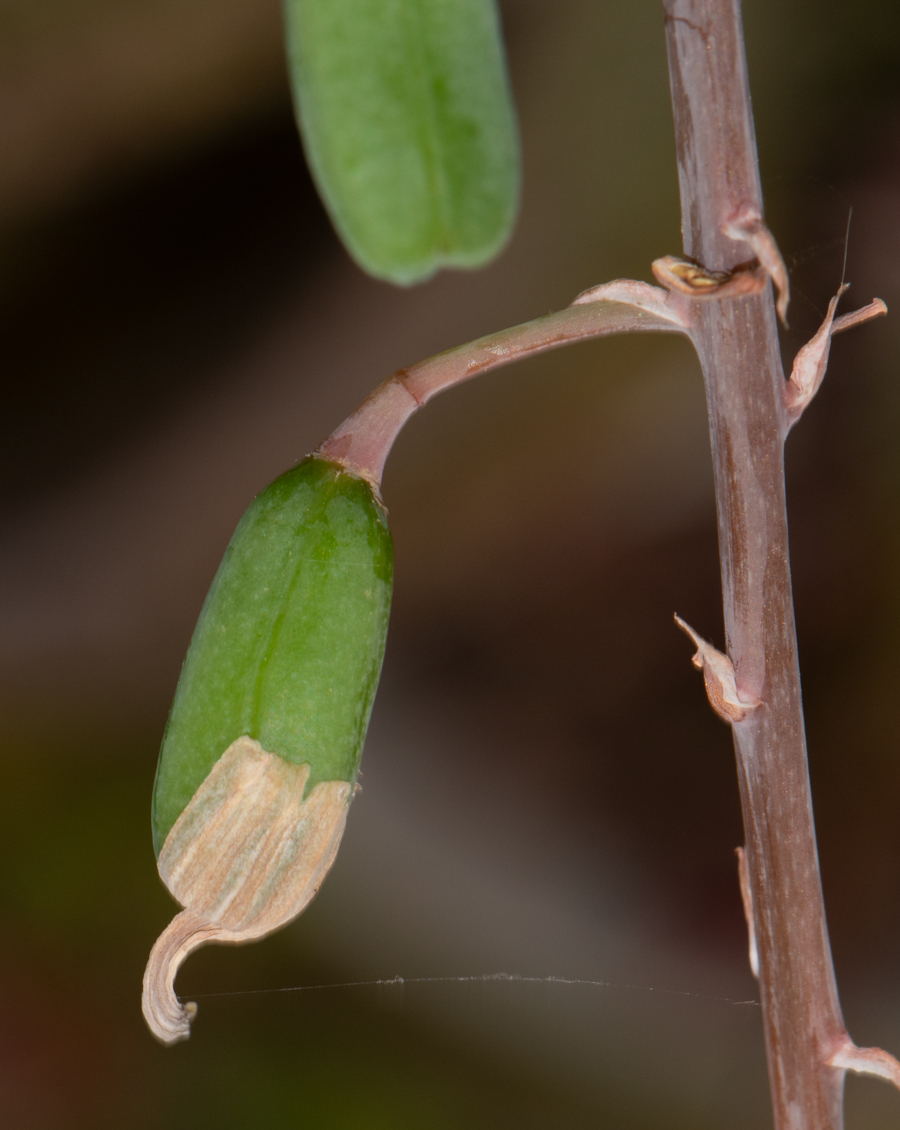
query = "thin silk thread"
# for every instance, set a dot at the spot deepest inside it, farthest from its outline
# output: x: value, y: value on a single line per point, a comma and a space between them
x: 482, y: 978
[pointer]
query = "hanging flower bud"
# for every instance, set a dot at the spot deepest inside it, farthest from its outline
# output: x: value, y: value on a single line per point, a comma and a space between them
x: 261, y: 752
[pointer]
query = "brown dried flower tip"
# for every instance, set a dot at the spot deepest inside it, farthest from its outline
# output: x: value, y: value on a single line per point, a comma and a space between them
x: 244, y: 858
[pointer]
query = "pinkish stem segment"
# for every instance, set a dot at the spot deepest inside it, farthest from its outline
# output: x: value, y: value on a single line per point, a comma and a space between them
x: 362, y: 443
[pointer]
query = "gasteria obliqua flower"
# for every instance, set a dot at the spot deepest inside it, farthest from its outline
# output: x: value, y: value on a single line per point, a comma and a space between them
x: 260, y: 755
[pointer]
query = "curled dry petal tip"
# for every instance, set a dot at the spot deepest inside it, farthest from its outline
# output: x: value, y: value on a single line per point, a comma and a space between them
x: 245, y: 857
x: 166, y: 1017
x: 718, y: 677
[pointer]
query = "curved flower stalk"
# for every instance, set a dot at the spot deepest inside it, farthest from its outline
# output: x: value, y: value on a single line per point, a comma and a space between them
x: 362, y: 443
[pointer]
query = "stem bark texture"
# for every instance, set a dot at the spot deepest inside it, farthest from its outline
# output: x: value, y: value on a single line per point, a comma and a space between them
x: 737, y: 343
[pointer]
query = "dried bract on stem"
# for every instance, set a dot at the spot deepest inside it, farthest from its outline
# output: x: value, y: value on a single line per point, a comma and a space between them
x: 718, y: 676
x: 748, y: 227
x: 811, y: 362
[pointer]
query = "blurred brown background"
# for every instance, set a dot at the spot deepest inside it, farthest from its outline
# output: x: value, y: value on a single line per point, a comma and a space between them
x: 546, y: 792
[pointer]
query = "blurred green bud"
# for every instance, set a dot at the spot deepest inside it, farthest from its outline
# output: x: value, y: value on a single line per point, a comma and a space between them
x: 262, y: 748
x: 409, y: 129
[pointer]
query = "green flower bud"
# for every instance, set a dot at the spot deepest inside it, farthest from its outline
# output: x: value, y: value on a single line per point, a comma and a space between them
x: 262, y: 747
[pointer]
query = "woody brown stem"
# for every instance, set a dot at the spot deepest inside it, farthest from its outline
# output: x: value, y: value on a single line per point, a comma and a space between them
x: 736, y: 340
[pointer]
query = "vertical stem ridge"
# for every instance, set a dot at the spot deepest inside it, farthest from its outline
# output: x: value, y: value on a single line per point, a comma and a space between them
x: 737, y: 344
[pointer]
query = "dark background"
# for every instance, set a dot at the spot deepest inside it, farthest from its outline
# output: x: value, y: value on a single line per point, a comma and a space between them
x: 545, y: 791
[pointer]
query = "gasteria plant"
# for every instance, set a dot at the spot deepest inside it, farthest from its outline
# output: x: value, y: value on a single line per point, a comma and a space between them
x: 405, y: 114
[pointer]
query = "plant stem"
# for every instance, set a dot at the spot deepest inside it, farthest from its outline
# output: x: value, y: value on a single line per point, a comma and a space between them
x: 363, y: 441
x: 737, y: 343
